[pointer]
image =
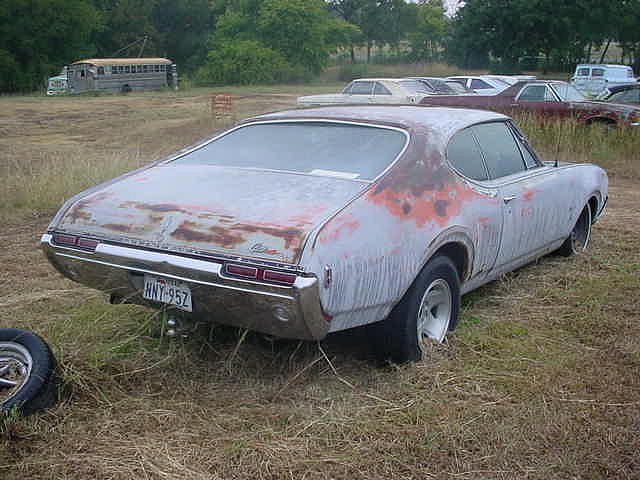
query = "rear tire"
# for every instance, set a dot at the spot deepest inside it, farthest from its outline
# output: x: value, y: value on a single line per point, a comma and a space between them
x: 28, y: 379
x: 578, y: 239
x: 425, y: 314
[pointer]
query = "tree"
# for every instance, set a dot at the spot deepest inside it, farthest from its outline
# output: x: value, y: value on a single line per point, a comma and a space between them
x: 297, y: 29
x: 296, y: 36
x: 429, y: 30
x: 38, y: 37
x: 183, y: 27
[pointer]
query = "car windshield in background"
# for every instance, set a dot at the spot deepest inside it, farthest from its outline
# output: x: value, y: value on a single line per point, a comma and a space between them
x: 568, y: 93
x: 316, y: 148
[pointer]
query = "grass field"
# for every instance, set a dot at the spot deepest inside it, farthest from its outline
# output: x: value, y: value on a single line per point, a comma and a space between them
x: 541, y: 380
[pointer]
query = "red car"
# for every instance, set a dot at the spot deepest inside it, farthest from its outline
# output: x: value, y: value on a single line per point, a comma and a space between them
x: 546, y: 97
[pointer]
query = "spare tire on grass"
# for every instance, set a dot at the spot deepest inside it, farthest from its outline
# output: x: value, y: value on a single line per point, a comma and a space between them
x: 28, y: 380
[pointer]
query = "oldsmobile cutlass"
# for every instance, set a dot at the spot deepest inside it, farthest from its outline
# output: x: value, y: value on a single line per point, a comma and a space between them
x: 306, y: 222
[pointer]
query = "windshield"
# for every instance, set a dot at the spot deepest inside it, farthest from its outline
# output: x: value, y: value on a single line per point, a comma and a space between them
x: 316, y: 148
x: 568, y: 93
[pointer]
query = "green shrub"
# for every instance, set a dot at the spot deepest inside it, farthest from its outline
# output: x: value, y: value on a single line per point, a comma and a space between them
x: 243, y: 62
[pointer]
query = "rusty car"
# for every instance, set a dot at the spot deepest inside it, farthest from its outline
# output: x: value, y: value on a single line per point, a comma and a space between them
x: 546, y: 98
x: 305, y: 222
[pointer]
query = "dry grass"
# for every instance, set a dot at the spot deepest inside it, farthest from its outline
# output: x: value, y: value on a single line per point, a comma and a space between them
x: 539, y: 381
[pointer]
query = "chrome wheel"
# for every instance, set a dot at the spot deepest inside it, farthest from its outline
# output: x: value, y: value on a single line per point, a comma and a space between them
x: 16, y: 364
x: 581, y: 231
x: 434, y: 314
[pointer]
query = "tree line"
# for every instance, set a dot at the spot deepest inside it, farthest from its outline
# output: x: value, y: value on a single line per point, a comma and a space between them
x: 258, y: 41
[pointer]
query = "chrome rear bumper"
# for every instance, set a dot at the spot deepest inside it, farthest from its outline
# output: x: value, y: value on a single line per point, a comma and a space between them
x: 119, y: 270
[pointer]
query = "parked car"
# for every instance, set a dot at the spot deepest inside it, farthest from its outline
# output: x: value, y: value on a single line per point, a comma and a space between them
x: 371, y: 90
x: 545, y: 97
x: 480, y: 84
x: 627, y: 94
x: 592, y: 79
x: 305, y: 222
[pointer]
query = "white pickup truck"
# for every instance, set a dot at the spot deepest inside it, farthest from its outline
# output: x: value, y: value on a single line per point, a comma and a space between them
x: 593, y: 79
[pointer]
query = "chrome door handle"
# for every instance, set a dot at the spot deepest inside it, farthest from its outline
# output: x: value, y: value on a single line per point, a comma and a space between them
x: 508, y: 199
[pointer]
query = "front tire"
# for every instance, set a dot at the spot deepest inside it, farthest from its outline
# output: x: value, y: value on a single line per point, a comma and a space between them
x: 27, y: 372
x: 578, y: 239
x: 425, y: 314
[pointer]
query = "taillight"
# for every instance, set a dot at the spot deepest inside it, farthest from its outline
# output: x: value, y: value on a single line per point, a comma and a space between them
x: 66, y: 240
x: 74, y: 241
x: 259, y: 274
x: 279, y: 277
x: 241, y: 271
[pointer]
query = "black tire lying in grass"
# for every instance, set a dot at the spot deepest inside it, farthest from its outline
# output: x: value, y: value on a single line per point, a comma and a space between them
x: 426, y: 313
x: 28, y: 380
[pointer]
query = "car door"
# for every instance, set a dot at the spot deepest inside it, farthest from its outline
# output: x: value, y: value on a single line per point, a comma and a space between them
x: 535, y: 204
x: 540, y: 98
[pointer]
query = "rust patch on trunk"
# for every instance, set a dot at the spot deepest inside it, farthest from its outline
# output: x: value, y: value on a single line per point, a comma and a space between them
x: 78, y: 211
x: 119, y: 227
x: 189, y: 232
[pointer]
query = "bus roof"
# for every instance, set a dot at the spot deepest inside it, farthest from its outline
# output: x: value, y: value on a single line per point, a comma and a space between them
x: 124, y: 61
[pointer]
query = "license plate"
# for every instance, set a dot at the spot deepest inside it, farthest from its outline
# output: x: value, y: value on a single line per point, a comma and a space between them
x: 166, y: 290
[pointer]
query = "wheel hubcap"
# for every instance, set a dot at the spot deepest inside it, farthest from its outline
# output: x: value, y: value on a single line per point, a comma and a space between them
x: 15, y: 368
x: 581, y: 232
x: 434, y: 314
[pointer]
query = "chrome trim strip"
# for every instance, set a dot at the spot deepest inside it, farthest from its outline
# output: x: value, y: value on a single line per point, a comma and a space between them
x: 174, y: 277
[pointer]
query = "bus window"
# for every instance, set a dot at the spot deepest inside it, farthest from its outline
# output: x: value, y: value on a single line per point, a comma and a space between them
x: 156, y: 68
x: 127, y: 69
x: 100, y: 70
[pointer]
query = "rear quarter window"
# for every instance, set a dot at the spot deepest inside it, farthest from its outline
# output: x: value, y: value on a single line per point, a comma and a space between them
x: 464, y: 155
x: 501, y: 153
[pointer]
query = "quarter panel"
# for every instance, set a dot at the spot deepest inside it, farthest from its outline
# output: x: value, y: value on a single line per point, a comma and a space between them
x: 378, y: 244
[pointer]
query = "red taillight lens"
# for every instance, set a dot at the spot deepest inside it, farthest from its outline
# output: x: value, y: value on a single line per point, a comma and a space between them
x: 87, y: 243
x: 68, y: 240
x: 76, y: 242
x: 253, y: 273
x: 240, y: 271
x: 279, y: 277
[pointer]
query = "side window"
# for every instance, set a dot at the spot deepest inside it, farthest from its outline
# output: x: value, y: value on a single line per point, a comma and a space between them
x: 100, y: 70
x: 477, y: 84
x: 597, y: 72
x: 380, y: 89
x: 535, y: 93
x: 463, y: 153
x: 500, y: 150
x: 583, y: 72
x: 361, y: 88
x: 127, y: 69
x: 347, y: 90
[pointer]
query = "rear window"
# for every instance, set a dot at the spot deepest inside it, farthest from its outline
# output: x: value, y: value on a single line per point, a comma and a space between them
x: 317, y: 148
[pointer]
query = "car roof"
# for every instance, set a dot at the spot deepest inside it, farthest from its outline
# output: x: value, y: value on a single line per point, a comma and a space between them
x: 443, y: 120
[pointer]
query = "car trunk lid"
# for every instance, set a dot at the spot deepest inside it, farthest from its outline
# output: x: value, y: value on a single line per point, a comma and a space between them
x: 255, y: 213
